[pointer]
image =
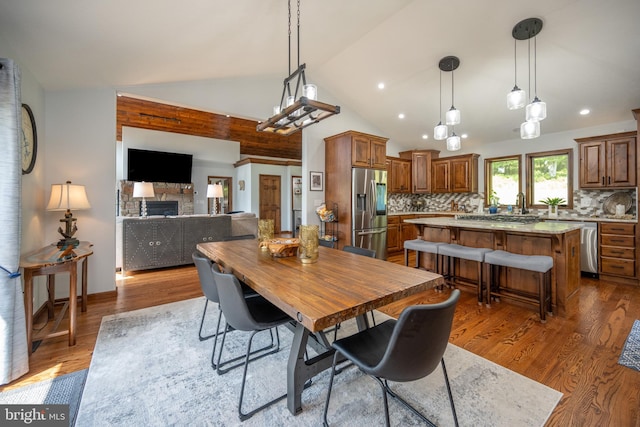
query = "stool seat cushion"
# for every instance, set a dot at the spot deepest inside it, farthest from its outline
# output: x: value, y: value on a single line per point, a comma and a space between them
x: 422, y: 245
x: 539, y: 263
x: 464, y: 252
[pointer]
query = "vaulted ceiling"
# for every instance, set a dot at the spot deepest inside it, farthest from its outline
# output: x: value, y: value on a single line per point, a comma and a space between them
x: 588, y: 54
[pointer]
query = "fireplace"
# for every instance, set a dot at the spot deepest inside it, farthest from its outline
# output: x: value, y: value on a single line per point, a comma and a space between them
x: 166, y: 208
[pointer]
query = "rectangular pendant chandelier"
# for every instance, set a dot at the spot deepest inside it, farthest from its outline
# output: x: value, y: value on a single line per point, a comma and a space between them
x: 303, y: 112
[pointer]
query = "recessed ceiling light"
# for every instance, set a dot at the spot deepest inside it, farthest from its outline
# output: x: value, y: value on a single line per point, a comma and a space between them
x: 401, y: 116
x: 464, y: 135
x: 584, y: 111
x: 425, y: 136
x: 381, y: 85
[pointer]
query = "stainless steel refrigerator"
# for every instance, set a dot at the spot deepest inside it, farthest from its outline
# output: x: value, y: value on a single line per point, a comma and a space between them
x: 369, y: 210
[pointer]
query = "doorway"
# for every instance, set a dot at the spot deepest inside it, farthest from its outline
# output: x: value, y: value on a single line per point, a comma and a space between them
x: 269, y: 200
x: 225, y: 204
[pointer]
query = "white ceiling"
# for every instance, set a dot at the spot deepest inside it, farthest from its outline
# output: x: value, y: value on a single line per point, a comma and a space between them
x: 588, y: 53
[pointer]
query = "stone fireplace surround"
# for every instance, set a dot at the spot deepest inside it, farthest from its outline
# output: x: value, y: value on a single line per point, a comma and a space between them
x: 128, y: 206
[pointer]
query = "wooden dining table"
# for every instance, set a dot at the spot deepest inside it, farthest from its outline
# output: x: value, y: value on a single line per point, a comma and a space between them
x: 317, y: 296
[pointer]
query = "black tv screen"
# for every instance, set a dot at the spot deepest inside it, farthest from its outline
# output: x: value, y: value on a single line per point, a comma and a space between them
x: 158, y: 166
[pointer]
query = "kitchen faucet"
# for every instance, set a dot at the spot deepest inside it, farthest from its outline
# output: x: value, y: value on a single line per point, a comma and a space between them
x: 523, y: 209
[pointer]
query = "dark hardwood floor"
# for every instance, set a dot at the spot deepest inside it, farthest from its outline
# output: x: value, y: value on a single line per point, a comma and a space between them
x: 576, y: 355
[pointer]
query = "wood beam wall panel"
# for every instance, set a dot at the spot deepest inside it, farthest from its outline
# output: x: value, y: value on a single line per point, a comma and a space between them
x: 151, y: 115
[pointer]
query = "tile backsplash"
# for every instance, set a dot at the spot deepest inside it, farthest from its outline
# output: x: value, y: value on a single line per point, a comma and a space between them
x: 586, y: 203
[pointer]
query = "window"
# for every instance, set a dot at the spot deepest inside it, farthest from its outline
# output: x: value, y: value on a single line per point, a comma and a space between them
x: 502, y: 176
x: 550, y: 174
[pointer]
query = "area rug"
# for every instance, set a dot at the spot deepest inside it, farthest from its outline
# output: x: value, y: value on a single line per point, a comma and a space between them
x: 630, y: 356
x: 149, y: 368
x: 63, y: 390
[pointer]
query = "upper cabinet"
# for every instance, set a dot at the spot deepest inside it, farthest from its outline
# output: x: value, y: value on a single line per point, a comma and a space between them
x: 608, y: 160
x: 367, y: 151
x: 420, y: 168
x: 457, y: 174
x: 399, y: 175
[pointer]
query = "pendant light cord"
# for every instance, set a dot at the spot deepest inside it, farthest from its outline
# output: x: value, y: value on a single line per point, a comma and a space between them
x: 452, y: 83
x: 440, y: 117
x: 535, y: 67
x: 289, y: 35
x: 515, y: 63
x: 529, y: 64
x: 298, y: 33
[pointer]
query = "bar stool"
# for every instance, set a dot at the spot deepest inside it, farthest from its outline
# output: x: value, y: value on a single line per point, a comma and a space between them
x: 420, y: 245
x: 541, y: 264
x: 452, y: 250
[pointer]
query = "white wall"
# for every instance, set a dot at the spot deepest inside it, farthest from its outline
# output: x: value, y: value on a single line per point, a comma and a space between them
x: 211, y: 157
x: 81, y: 134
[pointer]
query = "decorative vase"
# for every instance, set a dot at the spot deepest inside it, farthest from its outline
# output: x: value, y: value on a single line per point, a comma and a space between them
x: 308, y: 248
x: 493, y: 209
x: 553, y: 211
x: 265, y: 232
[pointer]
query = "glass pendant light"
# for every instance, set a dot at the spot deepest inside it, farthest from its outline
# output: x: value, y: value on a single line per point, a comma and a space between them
x: 453, y: 115
x: 517, y: 97
x: 537, y: 110
x: 530, y: 129
x: 453, y: 142
x: 440, y: 132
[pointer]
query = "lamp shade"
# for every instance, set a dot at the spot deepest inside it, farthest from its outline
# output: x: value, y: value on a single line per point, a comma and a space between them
x: 143, y: 189
x: 453, y: 142
x: 452, y: 116
x: 440, y: 132
x: 530, y: 130
x: 68, y: 196
x: 516, y: 98
x: 214, y: 190
x: 537, y: 110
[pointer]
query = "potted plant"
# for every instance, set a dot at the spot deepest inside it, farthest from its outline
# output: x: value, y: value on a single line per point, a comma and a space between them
x: 494, y: 201
x: 553, y: 203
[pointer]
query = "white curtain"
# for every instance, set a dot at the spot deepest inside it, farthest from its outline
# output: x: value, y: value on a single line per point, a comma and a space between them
x: 14, y: 358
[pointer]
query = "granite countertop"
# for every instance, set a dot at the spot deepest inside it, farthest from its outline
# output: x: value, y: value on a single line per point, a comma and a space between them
x: 536, y: 227
x: 625, y: 218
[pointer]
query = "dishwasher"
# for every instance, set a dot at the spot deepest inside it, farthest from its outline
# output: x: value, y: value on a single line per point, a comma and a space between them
x: 588, y: 247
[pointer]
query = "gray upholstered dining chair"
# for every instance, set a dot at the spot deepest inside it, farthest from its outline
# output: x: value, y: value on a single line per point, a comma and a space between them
x: 204, y: 267
x: 404, y: 350
x: 252, y: 315
x: 360, y: 251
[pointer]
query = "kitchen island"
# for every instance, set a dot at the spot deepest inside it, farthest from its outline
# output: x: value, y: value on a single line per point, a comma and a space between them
x: 561, y: 241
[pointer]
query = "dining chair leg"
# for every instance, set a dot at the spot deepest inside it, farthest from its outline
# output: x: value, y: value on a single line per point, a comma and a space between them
x: 244, y: 416
x: 326, y: 403
x: 215, y: 334
x: 271, y: 348
x: 446, y: 381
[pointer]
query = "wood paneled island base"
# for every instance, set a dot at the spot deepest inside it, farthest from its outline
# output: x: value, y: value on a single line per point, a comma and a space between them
x: 561, y: 241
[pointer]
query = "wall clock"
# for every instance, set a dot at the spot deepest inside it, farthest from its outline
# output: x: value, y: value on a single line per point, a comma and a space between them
x: 29, y: 142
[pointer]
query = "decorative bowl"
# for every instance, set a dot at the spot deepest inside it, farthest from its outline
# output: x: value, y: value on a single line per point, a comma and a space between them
x: 282, y: 248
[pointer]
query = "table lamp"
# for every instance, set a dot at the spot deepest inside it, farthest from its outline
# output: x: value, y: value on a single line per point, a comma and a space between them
x: 143, y: 189
x: 214, y: 191
x: 65, y: 197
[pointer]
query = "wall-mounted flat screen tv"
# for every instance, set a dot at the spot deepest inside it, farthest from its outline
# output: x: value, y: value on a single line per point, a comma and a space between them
x: 158, y: 166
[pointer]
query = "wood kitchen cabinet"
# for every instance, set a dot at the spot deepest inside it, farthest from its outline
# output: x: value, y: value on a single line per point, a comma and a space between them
x: 342, y: 152
x: 393, y: 234
x: 366, y: 151
x: 608, y: 161
x: 398, y: 175
x: 420, y: 169
x: 617, y: 251
x: 457, y: 174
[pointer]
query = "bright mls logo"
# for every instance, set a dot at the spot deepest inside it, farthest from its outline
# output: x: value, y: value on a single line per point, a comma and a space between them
x: 34, y: 415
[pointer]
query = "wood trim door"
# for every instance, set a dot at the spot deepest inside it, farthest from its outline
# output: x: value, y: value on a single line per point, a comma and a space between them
x: 270, y: 200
